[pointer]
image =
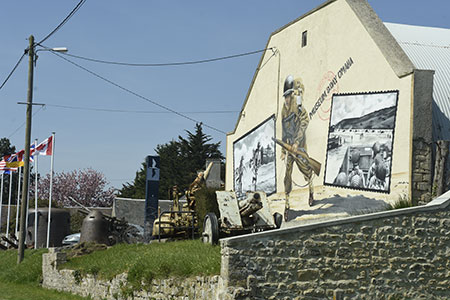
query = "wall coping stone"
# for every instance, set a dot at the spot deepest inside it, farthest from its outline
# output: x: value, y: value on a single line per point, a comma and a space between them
x: 438, y: 203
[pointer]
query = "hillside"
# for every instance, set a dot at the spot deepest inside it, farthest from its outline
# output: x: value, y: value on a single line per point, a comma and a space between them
x: 380, y: 119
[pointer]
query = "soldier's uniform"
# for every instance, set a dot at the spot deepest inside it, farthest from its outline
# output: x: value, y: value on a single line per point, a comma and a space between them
x: 295, y: 121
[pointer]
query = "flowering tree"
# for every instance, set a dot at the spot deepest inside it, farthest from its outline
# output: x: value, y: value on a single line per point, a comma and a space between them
x: 87, y: 186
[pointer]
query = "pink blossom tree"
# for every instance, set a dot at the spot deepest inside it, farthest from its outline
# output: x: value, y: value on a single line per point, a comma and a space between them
x: 87, y: 186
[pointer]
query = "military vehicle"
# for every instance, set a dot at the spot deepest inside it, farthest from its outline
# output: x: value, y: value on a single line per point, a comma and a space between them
x: 180, y: 221
x: 251, y: 214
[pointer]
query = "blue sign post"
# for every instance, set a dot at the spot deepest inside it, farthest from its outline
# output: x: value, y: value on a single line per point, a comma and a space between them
x: 151, y: 194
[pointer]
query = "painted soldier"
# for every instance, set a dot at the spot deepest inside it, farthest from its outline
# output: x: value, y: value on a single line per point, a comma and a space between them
x: 295, y: 121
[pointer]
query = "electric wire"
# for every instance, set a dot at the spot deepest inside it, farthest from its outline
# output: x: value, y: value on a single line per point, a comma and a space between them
x: 136, y: 94
x: 76, y: 8
x: 23, y: 124
x: 138, y: 111
x: 193, y: 62
x: 69, y: 16
x: 13, y: 70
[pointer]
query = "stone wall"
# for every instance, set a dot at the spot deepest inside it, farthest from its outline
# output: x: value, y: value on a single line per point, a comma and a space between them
x: 88, y: 285
x: 421, y: 172
x: 399, y: 254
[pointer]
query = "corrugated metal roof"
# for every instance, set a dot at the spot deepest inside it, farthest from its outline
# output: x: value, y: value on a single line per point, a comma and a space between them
x: 429, y: 49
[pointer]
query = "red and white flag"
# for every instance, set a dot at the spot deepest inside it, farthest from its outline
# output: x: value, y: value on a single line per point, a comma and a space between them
x: 46, y: 147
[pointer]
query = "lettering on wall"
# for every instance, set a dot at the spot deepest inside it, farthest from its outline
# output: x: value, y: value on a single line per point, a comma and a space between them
x: 330, y: 88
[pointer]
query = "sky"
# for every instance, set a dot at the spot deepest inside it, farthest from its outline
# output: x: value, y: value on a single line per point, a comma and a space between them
x: 144, y: 31
x: 355, y: 106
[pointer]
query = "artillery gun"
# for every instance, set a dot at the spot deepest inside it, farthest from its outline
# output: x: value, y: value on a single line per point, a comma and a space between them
x: 180, y: 221
x: 101, y: 228
x: 237, y: 217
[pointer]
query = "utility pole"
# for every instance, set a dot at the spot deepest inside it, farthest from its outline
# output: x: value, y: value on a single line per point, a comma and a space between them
x: 26, y: 171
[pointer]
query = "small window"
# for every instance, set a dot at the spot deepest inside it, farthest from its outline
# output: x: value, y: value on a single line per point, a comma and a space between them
x: 304, y: 38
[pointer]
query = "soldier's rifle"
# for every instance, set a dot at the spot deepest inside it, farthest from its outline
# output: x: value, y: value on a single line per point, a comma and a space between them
x: 315, y: 165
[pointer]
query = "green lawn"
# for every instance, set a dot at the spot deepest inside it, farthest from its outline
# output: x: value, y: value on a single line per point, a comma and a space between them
x: 156, y: 260
x: 142, y: 262
x: 22, y: 282
x: 13, y: 291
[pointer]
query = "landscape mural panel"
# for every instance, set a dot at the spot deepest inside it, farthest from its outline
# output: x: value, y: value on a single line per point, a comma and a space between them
x: 360, y: 140
x: 254, y: 160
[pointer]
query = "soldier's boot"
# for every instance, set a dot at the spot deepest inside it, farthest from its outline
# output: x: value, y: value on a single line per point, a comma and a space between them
x: 286, y: 209
x: 311, y: 198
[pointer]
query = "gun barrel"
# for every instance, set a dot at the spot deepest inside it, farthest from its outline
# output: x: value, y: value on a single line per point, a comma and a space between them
x: 315, y: 165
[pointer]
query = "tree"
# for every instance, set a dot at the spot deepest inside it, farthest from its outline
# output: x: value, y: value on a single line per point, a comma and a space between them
x: 6, y: 149
x: 87, y: 186
x: 136, y: 189
x: 180, y: 161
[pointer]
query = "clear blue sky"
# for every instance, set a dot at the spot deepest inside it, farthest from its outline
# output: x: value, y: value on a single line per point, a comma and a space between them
x: 145, y: 32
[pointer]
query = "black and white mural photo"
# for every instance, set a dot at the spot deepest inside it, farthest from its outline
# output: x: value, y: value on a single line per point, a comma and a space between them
x: 254, y: 160
x: 360, y: 138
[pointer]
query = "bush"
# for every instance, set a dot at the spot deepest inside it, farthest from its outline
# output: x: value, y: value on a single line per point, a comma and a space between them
x: 76, y: 221
x: 402, y: 202
x: 206, y: 201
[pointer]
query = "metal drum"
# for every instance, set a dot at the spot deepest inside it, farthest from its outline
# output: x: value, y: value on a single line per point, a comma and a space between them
x: 59, y: 227
x: 95, y: 229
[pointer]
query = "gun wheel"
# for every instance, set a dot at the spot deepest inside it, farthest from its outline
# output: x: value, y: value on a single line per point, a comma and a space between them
x: 210, y: 229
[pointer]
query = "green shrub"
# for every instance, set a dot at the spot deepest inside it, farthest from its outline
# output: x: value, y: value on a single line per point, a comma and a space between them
x: 402, y: 202
x: 206, y: 201
x: 76, y: 221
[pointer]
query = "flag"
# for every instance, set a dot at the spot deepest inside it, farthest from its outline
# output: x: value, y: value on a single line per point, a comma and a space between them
x: 16, y: 160
x: 46, y: 147
x: 3, y: 167
x: 11, y: 161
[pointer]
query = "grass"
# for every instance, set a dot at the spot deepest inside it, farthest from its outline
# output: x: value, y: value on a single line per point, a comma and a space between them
x: 14, y: 291
x: 402, y: 202
x: 22, y: 282
x: 28, y: 272
x: 146, y: 262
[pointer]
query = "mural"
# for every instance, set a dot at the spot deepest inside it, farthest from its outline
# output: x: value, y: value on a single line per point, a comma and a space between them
x: 254, y: 160
x: 360, y: 139
x: 295, y: 120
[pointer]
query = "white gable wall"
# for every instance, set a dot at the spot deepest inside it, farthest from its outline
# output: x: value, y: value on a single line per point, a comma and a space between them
x: 335, y: 35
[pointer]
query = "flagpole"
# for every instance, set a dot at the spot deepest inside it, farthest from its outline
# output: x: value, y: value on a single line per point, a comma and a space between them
x: 51, y: 187
x: 1, y: 202
x: 18, y: 204
x: 35, y: 197
x: 27, y: 208
x: 9, y: 203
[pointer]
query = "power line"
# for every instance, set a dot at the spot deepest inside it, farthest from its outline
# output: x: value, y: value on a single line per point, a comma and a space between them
x: 136, y: 94
x: 77, y: 7
x: 12, y: 71
x: 23, y: 124
x: 139, y: 111
x: 70, y: 15
x: 193, y: 62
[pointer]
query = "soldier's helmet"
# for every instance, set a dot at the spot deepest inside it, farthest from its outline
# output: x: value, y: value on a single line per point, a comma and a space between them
x: 381, y: 171
x: 355, y: 156
x: 376, y: 148
x: 288, y: 86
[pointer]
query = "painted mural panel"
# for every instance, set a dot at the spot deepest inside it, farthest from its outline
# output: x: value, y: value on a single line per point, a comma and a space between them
x: 295, y: 121
x: 360, y: 140
x: 254, y: 160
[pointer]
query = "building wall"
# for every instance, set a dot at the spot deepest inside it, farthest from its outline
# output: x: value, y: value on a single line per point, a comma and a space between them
x: 338, y: 47
x: 400, y: 254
